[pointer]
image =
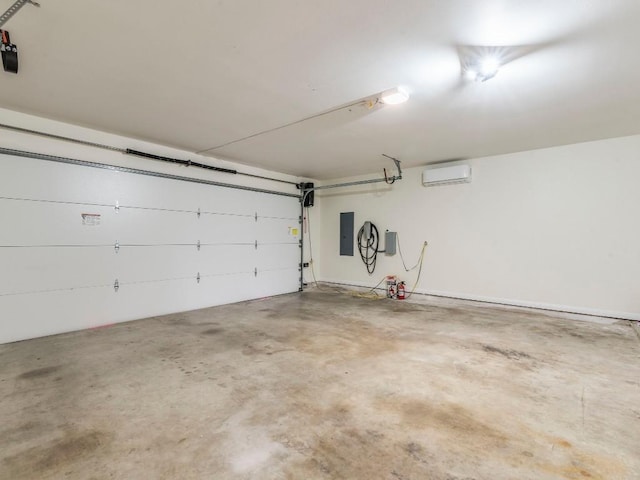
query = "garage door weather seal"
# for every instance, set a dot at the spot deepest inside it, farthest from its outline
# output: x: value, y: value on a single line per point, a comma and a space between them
x: 115, y: 168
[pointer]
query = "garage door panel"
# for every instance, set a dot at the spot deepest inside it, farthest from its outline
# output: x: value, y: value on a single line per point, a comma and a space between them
x: 279, y: 207
x: 42, y: 223
x: 160, y: 297
x: 230, y: 201
x: 226, y: 259
x: 156, y: 263
x: 35, y: 179
x: 37, y: 315
x: 220, y: 289
x: 276, y: 230
x: 278, y: 256
x: 159, y: 193
x: 28, y: 316
x: 277, y: 282
x: 225, y: 229
x: 43, y: 269
x: 156, y: 227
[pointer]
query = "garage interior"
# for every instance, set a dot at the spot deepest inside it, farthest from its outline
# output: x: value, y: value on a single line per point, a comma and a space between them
x: 331, y: 240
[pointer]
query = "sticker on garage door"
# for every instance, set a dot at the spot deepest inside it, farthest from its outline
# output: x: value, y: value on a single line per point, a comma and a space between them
x: 90, y: 219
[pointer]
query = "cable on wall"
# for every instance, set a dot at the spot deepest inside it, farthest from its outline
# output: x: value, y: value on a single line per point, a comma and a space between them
x: 406, y: 269
x: 418, y: 264
x: 368, y: 242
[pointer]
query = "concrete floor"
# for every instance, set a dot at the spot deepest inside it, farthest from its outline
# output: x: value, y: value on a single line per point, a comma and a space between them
x: 326, y: 386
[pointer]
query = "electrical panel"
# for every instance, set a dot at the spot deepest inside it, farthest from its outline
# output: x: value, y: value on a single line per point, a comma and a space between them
x: 346, y: 234
x: 390, y: 241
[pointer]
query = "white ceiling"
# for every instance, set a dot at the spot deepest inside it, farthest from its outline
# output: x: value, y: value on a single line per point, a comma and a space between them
x: 201, y: 73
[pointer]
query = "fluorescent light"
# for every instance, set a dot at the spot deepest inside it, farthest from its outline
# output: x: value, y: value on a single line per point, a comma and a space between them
x: 394, y: 96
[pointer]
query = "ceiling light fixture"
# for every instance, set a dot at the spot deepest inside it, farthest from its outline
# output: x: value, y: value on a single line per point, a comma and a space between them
x: 394, y: 96
x: 489, y: 67
x: 485, y: 69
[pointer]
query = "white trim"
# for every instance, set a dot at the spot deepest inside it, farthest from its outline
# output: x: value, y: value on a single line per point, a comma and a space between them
x: 510, y: 302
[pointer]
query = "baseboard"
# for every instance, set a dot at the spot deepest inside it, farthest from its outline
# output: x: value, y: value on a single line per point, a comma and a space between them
x: 507, y: 301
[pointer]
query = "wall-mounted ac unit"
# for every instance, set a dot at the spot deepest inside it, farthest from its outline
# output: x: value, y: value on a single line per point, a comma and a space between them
x: 446, y: 175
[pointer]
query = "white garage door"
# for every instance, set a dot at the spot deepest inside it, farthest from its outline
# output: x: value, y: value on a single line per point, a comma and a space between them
x: 82, y: 247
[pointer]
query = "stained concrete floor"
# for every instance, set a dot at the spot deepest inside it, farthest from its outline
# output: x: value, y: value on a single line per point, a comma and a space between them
x: 325, y: 386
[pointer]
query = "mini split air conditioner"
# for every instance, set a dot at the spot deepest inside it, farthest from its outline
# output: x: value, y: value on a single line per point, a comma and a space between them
x: 446, y: 175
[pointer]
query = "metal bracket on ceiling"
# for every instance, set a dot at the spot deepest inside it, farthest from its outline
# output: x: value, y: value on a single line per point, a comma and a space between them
x: 13, y: 9
x: 390, y: 180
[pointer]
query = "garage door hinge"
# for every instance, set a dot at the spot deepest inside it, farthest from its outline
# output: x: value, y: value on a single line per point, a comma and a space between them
x: 198, y: 212
x: 300, y: 219
x: 255, y: 272
x: 198, y: 277
x: 256, y: 244
x: 117, y: 207
x: 116, y: 285
x: 116, y: 247
x: 198, y: 245
x: 256, y: 216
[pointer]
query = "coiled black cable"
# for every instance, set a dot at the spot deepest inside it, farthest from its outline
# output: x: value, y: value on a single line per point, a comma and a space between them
x: 369, y: 247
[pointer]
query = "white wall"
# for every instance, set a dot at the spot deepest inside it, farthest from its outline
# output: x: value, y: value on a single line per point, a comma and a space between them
x: 554, y: 228
x: 47, y: 287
